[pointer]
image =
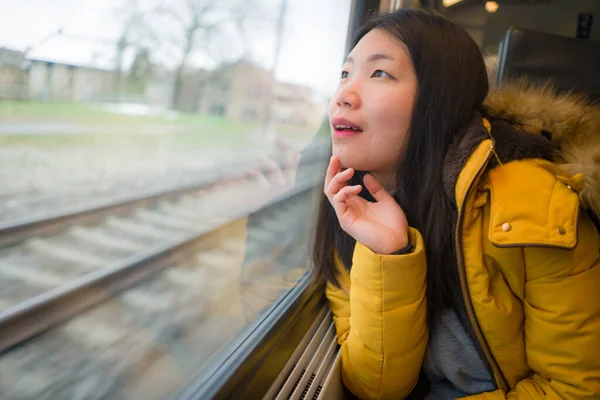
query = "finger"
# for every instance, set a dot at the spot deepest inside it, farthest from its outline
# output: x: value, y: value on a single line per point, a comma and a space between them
x: 339, y: 181
x: 260, y: 178
x: 293, y: 160
x: 275, y: 173
x: 253, y: 173
x: 339, y: 205
x: 331, y: 171
x: 346, y: 193
x: 291, y: 168
x: 269, y: 163
x: 375, y: 188
x: 289, y: 174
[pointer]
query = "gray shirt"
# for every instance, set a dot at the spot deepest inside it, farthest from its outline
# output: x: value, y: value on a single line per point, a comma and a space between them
x: 452, y: 363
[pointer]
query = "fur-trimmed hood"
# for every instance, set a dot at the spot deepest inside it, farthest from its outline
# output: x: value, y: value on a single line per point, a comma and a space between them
x: 564, y: 127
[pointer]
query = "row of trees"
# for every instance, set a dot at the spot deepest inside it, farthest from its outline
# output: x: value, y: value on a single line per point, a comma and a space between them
x: 178, y: 30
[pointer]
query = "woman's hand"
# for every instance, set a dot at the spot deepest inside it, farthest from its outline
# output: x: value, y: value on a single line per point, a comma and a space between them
x: 273, y: 177
x: 380, y: 226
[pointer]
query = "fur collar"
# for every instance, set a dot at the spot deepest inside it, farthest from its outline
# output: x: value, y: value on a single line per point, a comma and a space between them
x: 530, y: 121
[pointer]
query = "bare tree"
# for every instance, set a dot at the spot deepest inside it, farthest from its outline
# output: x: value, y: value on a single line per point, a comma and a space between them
x: 136, y: 32
x: 198, y: 22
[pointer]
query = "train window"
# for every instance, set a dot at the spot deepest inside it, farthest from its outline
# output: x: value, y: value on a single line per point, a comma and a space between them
x: 157, y: 164
x: 159, y: 169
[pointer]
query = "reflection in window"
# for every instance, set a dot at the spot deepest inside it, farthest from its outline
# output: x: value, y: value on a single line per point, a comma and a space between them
x: 174, y: 132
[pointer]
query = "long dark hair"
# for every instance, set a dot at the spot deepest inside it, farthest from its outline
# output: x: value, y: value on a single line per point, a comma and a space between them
x: 452, y: 84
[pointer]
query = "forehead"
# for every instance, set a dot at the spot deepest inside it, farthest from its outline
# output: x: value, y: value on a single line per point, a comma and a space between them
x: 378, y: 41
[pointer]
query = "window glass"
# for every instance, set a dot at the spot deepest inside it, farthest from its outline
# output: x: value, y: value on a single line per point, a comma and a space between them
x: 157, y: 161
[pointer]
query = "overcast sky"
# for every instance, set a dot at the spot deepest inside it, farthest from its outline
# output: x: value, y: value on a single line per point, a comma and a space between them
x: 311, y: 54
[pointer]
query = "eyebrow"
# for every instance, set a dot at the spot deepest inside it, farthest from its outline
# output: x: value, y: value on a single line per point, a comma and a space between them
x: 373, y: 57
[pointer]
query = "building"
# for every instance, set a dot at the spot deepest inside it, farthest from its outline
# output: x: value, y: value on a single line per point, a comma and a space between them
x: 50, y: 81
x: 13, y: 77
x: 244, y: 92
x: 294, y: 105
x: 239, y: 91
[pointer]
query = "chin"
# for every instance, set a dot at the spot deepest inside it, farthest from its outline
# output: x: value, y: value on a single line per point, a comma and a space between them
x: 350, y: 158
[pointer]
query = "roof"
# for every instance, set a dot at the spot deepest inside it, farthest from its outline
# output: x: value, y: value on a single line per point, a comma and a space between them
x: 77, y: 51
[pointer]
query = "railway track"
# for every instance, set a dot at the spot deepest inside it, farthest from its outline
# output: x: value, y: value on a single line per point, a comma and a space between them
x: 24, y: 204
x: 47, y: 223
x: 180, y: 276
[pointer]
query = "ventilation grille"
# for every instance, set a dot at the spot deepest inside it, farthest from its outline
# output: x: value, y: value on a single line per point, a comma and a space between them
x: 317, y: 393
x: 310, y: 367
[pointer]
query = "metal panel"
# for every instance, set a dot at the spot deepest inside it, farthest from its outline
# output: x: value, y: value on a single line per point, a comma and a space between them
x: 313, y: 367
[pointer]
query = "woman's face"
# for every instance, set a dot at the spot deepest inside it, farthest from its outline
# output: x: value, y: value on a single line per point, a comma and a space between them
x: 370, y: 111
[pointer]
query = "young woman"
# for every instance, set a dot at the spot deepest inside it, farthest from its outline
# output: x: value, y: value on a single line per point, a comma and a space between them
x: 464, y: 255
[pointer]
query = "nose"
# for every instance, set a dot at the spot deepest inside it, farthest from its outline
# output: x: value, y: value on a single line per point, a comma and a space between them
x: 348, y: 96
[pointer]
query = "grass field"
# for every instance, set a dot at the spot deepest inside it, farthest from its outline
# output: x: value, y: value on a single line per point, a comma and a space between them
x: 14, y: 110
x: 114, y: 129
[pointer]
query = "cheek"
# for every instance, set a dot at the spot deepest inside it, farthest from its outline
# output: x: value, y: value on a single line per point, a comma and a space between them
x: 393, y: 116
x: 395, y: 110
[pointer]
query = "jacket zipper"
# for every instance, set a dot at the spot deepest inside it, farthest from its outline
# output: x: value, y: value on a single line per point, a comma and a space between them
x: 464, y: 287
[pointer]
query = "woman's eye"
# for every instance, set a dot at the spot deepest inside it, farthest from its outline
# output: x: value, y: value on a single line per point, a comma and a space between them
x: 380, y: 74
x: 345, y: 74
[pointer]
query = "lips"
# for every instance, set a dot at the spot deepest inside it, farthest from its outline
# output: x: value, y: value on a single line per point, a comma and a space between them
x: 343, y: 128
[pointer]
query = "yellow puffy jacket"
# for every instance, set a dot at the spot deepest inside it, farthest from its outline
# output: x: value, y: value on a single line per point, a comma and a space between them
x: 529, y: 267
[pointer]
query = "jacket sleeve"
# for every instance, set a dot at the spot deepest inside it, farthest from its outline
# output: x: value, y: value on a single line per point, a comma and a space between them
x: 562, y: 322
x: 380, y: 319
